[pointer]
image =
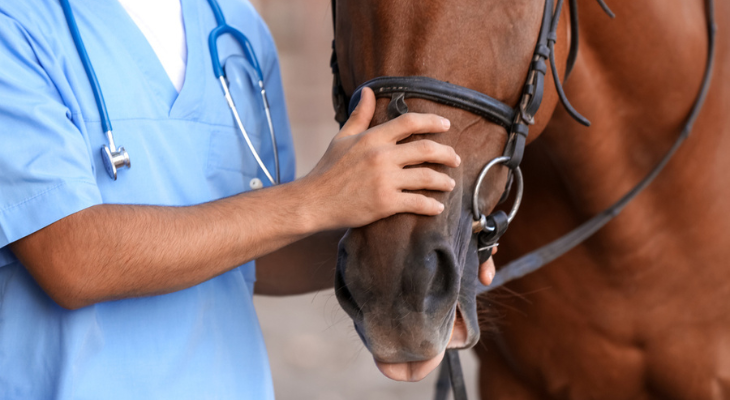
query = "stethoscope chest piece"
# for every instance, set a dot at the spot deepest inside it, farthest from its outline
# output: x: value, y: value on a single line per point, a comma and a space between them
x: 113, y: 160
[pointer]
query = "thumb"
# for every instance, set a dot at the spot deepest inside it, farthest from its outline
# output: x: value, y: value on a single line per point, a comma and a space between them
x: 362, y: 115
x: 487, y: 272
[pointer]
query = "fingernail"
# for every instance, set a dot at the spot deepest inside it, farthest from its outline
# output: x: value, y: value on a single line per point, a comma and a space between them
x: 453, y: 184
x: 446, y: 123
x: 490, y: 275
x: 458, y: 160
x: 441, y: 207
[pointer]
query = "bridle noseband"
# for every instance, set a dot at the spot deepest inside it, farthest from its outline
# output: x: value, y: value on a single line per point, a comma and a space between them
x: 517, y: 121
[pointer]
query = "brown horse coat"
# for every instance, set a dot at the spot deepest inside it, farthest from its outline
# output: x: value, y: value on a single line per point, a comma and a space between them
x: 637, y: 311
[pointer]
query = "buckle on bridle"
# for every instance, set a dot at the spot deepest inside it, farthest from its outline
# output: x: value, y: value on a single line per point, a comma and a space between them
x: 527, y: 95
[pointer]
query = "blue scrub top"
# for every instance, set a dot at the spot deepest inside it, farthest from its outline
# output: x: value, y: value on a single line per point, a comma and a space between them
x: 199, y: 343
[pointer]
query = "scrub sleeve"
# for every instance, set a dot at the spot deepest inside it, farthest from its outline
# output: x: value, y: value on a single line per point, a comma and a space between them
x: 46, y: 170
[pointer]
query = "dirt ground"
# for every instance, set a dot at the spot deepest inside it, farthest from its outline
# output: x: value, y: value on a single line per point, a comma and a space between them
x: 315, y: 353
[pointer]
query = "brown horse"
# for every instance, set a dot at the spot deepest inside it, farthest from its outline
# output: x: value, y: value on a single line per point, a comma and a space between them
x: 638, y: 311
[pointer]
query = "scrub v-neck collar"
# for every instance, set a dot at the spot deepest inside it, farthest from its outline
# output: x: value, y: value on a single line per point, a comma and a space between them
x: 185, y: 104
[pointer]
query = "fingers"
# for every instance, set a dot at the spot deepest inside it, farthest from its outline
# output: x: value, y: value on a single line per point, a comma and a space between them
x: 418, y: 204
x: 425, y: 179
x: 360, y: 119
x: 487, y: 270
x: 412, y: 123
x: 426, y: 151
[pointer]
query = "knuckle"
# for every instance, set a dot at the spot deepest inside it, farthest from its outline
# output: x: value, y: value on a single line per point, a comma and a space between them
x: 357, y: 111
x: 432, y: 148
x: 375, y: 157
x: 440, y: 181
x: 381, y: 185
x: 425, y: 148
x: 408, y: 203
x: 452, y: 152
x: 426, y: 175
x: 409, y: 121
x: 421, y: 203
x: 366, y: 138
x: 382, y: 196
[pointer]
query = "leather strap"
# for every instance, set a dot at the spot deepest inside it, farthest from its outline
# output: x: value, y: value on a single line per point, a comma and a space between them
x: 486, y: 240
x: 605, y: 8
x: 443, y: 383
x: 574, y: 38
x: 441, y: 92
x: 552, y: 38
x: 339, y: 97
x: 458, y: 386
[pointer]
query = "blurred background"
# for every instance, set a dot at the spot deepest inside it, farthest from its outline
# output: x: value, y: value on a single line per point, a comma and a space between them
x: 315, y: 353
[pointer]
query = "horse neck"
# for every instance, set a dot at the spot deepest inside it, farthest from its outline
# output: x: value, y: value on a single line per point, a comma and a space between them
x: 636, y: 79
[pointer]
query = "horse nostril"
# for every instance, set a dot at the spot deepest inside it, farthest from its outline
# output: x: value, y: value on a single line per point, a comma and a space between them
x: 429, y: 284
x: 442, y: 281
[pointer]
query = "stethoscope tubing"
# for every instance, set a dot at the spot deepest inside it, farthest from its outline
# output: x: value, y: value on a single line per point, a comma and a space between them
x: 237, y: 118
x: 271, y: 131
x: 106, y: 124
x: 222, y: 29
x: 120, y: 158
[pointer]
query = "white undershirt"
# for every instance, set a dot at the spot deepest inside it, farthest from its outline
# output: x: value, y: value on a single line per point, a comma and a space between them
x: 161, y: 22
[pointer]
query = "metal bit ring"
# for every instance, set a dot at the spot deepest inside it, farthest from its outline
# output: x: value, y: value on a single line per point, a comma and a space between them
x: 480, y: 221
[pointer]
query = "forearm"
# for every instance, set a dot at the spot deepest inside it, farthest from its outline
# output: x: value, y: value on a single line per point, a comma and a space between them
x: 110, y: 252
x: 303, y: 266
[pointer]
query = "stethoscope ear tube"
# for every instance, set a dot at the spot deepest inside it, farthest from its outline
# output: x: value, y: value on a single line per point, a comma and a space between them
x: 222, y: 29
x: 242, y: 41
x: 239, y: 123
x: 271, y: 131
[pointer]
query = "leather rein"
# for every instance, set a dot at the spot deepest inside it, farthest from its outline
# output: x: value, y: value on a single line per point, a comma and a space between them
x: 516, y: 120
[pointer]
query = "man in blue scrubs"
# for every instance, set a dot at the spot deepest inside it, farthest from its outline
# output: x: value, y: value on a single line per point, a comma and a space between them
x: 141, y: 288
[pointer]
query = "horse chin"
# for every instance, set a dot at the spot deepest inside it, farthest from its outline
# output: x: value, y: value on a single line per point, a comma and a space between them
x: 415, y: 371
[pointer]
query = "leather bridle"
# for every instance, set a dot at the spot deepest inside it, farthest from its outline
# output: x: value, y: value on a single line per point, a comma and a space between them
x: 516, y: 120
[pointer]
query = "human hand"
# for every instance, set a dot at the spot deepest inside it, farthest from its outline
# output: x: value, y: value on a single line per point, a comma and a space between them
x: 361, y: 178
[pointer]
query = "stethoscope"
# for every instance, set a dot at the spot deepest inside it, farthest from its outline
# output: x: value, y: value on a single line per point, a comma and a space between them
x: 115, y: 158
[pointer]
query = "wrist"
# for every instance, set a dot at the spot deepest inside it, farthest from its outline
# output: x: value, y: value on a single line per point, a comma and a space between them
x: 308, y: 211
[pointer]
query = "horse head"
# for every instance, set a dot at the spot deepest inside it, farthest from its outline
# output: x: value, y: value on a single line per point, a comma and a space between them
x: 410, y: 282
